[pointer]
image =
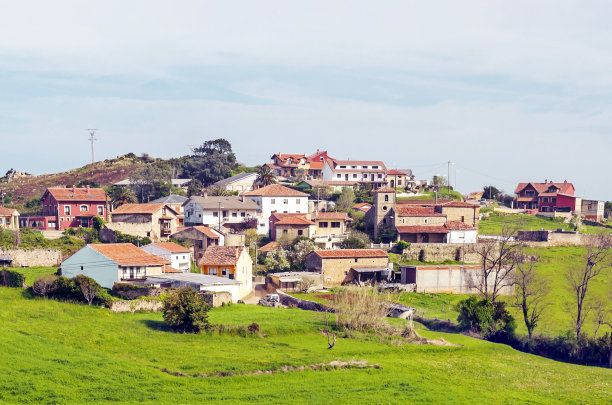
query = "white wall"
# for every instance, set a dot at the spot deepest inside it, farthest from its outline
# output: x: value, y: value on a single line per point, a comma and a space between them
x: 471, y: 236
x: 94, y: 264
x: 233, y: 289
x: 180, y: 261
x: 267, y: 206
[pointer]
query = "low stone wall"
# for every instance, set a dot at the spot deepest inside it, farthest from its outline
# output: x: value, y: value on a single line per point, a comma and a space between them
x: 34, y: 257
x: 137, y: 305
x: 439, y: 252
x: 135, y: 292
x: 290, y: 301
x: 217, y: 298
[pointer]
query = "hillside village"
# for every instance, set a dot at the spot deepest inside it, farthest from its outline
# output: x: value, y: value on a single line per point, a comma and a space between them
x: 295, y: 231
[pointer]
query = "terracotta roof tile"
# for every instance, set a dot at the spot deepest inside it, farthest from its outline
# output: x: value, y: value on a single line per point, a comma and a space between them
x: 269, y: 247
x: 542, y: 187
x: 394, y: 172
x: 172, y: 247
x: 458, y: 226
x: 221, y: 255
x: 140, y: 208
x: 200, y: 228
x: 289, y: 219
x: 169, y: 269
x: 126, y: 254
x: 79, y: 194
x: 459, y: 204
x: 349, y: 253
x: 341, y: 216
x: 385, y: 190
x: 276, y: 190
x: 7, y: 211
x: 416, y: 211
x: 421, y: 229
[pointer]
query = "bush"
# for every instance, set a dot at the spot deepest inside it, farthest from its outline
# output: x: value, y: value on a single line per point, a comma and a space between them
x: 185, y: 311
x: 401, y: 245
x: 88, y: 287
x: 66, y: 290
x: 134, y: 240
x: 491, y: 319
x: 44, y: 285
x: 9, y: 278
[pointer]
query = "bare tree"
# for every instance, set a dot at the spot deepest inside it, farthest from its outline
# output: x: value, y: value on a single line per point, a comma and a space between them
x: 531, y: 289
x: 89, y: 291
x: 596, y: 258
x: 498, y: 258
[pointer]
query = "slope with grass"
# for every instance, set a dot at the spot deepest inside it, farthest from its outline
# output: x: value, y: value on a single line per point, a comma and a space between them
x: 494, y: 224
x: 66, y: 353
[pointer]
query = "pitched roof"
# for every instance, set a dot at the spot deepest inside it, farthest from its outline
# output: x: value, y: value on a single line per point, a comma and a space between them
x: 421, y: 229
x: 140, y: 208
x: 362, y: 205
x: 232, y: 202
x: 171, y: 199
x: 221, y: 255
x: 385, y: 190
x: 290, y: 219
x: 127, y: 254
x: 269, y: 247
x: 200, y: 228
x: 459, y: 204
x: 542, y: 187
x: 416, y: 211
x: 317, y: 165
x: 238, y: 177
x: 341, y: 216
x: 276, y: 190
x: 79, y: 194
x: 169, y: 269
x: 172, y: 247
x: 349, y: 253
x: 394, y: 172
x: 360, y: 163
x: 7, y: 211
x: 458, y: 226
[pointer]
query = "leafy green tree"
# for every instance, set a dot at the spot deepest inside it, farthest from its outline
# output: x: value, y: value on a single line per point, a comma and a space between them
x: 211, y: 162
x: 298, y: 252
x: 346, y: 200
x: 152, y: 181
x: 387, y: 233
x: 490, y: 319
x: 122, y: 195
x: 364, y: 194
x: 356, y: 240
x: 185, y: 311
x: 265, y: 176
x: 358, y: 221
x: 277, y: 261
x: 212, y: 147
x: 491, y: 192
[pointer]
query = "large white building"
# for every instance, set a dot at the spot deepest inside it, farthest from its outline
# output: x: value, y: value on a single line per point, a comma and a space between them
x: 214, y: 210
x: 178, y: 256
x: 277, y: 198
x: 356, y: 171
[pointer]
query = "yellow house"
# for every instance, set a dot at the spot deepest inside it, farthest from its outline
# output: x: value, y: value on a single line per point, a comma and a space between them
x: 9, y: 218
x: 332, y: 223
x: 233, y: 262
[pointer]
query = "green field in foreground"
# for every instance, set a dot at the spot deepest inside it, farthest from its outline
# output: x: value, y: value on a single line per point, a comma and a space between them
x: 56, y: 352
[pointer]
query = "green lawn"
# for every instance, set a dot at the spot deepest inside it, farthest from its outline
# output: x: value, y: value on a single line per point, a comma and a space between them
x: 56, y: 352
x: 493, y: 225
x: 442, y: 194
x: 31, y: 273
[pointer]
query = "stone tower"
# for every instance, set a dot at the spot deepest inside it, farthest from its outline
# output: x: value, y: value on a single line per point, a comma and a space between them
x: 384, y: 209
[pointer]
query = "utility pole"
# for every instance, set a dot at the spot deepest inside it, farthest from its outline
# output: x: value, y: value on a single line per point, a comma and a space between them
x: 448, y: 178
x: 92, y: 131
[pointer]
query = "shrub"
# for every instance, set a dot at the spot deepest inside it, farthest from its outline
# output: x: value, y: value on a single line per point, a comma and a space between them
x: 185, y: 311
x: 66, y: 290
x: 422, y: 255
x: 360, y: 309
x: 254, y: 328
x: 44, y: 285
x: 491, y: 319
x: 401, y: 245
x: 9, y: 278
x: 88, y: 287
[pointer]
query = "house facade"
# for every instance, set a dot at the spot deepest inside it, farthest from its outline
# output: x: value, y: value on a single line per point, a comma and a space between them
x: 276, y: 198
x: 241, y: 182
x: 201, y: 237
x: 9, y: 218
x: 114, y: 262
x: 593, y: 210
x: 336, y: 265
x: 232, y: 262
x: 64, y: 208
x: 290, y: 226
x: 176, y: 203
x: 363, y: 172
x: 178, y: 256
x: 156, y: 221
x: 215, y: 211
x: 331, y: 224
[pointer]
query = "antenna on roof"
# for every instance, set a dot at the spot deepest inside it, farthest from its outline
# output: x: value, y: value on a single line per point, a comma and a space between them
x: 92, y: 131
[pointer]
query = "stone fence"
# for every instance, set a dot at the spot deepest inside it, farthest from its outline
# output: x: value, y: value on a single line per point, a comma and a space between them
x: 290, y: 301
x: 136, y: 305
x: 34, y: 257
x: 439, y: 252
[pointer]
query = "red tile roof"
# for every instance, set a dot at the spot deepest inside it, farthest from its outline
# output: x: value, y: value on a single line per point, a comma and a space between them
x: 341, y: 216
x: 200, y: 228
x: 394, y: 172
x: 140, y: 209
x: 7, y: 211
x: 458, y: 226
x: 169, y: 269
x: 221, y: 255
x: 385, y: 190
x: 290, y: 219
x: 126, y: 254
x: 317, y: 165
x: 416, y: 211
x: 79, y: 194
x: 362, y: 207
x: 269, y: 247
x: 458, y: 204
x: 349, y: 253
x: 421, y: 229
x: 172, y: 247
x: 542, y: 187
x: 276, y: 190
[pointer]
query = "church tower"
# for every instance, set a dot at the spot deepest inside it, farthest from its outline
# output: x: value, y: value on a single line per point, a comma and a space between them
x: 384, y: 209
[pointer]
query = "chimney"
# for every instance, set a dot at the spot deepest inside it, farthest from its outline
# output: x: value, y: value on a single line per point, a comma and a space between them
x: 73, y: 189
x: 546, y: 181
x: 88, y: 189
x: 205, y: 194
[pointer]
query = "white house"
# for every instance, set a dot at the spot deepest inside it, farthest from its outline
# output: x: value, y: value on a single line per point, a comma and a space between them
x: 461, y: 232
x: 179, y: 256
x: 277, y: 198
x: 213, y: 211
x: 241, y: 182
x: 199, y: 282
x: 356, y: 171
x: 115, y: 262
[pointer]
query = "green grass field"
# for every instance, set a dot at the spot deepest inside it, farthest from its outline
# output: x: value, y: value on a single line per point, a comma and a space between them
x: 55, y: 352
x: 493, y: 225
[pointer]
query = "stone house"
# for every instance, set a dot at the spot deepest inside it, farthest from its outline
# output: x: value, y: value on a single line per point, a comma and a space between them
x: 459, y: 211
x: 215, y: 211
x: 336, y: 265
x: 331, y: 224
x: 290, y: 226
x: 232, y: 262
x: 178, y: 256
x: 9, y: 218
x: 593, y: 210
x: 417, y: 224
x: 276, y: 198
x: 176, y: 203
x: 156, y: 221
x: 241, y: 182
x: 201, y: 237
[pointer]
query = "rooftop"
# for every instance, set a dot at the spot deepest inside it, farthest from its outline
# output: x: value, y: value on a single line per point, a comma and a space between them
x: 349, y: 253
x: 227, y: 202
x: 195, y: 278
x: 127, y: 254
x: 276, y: 190
x: 221, y: 255
x: 77, y: 194
x: 238, y: 177
x: 171, y: 199
x: 150, y: 208
x: 290, y: 219
x: 422, y: 229
x: 172, y: 247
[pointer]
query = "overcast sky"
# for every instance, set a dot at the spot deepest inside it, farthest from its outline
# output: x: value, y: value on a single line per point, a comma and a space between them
x: 508, y: 91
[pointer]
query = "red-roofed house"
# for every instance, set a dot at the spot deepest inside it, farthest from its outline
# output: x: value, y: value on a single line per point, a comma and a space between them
x: 276, y: 198
x: 233, y: 262
x: 201, y: 237
x: 290, y: 226
x: 341, y: 266
x: 287, y: 164
x: 400, y: 179
x: 332, y: 224
x: 64, y: 208
x: 547, y: 197
x: 154, y: 220
x: 179, y: 256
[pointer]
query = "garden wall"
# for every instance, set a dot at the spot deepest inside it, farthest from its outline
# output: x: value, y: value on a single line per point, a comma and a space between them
x: 138, y: 305
x: 34, y: 257
x: 439, y: 252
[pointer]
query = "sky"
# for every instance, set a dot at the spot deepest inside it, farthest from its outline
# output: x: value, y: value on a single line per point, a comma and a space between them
x: 509, y: 92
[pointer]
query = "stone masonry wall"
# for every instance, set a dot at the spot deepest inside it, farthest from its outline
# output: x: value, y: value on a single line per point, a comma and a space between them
x: 34, y: 257
x: 439, y: 252
x: 138, y: 305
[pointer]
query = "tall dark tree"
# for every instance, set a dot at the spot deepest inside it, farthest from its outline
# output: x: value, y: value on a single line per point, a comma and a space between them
x: 215, y: 146
x: 211, y: 162
x: 490, y: 192
x: 265, y: 176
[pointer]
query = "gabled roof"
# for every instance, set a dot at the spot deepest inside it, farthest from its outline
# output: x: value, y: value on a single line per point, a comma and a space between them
x: 232, y: 202
x: 171, y: 199
x: 416, y: 211
x: 339, y: 216
x: 543, y: 187
x: 7, y: 211
x: 172, y: 247
x: 364, y: 206
x: 208, y: 232
x: 171, y: 270
x: 269, y: 247
x: 126, y: 254
x: 317, y: 165
x: 148, y: 209
x: 349, y: 253
x: 458, y: 226
x: 385, y: 190
x: 221, y: 255
x: 394, y: 172
x: 422, y: 229
x: 76, y: 194
x: 458, y: 204
x: 236, y: 178
x: 290, y: 219
x: 275, y: 190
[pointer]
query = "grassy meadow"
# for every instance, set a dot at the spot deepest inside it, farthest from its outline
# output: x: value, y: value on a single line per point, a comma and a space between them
x: 55, y: 352
x: 494, y: 224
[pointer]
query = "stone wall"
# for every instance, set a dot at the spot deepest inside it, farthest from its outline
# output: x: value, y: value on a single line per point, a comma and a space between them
x: 217, y: 298
x: 290, y: 301
x: 439, y: 252
x: 234, y: 239
x: 137, y: 305
x: 34, y: 257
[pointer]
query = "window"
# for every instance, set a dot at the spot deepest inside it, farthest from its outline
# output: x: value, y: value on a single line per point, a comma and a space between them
x: 386, y: 197
x: 212, y: 270
x: 273, y: 201
x: 335, y: 224
x: 323, y: 224
x: 374, y: 167
x: 66, y: 209
x: 426, y: 220
x: 225, y: 271
x: 529, y: 193
x: 300, y: 232
x: 545, y: 199
x: 462, y: 219
x: 356, y: 260
x: 285, y: 201
x: 364, y: 167
x: 380, y: 176
x: 83, y: 208
x: 234, y: 214
x: 148, y: 233
x: 554, y: 200
x: 215, y: 214
x: 100, y: 210
x: 339, y: 175
x: 354, y: 175
x: 297, y: 201
x: 284, y: 231
x: 229, y: 188
x: 399, y: 182
x: 81, y: 268
x: 242, y: 214
x: 343, y: 167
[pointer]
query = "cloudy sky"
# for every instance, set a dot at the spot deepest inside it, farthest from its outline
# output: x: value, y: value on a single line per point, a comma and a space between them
x: 508, y: 91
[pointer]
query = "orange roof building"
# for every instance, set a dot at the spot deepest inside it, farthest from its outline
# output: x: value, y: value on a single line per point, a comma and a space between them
x: 342, y: 266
